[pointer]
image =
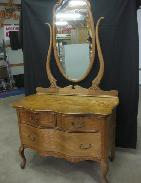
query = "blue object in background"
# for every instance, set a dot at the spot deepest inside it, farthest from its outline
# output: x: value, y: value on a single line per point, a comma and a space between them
x: 17, y: 91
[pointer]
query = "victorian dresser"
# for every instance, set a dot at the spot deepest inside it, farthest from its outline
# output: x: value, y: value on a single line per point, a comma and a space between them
x: 72, y: 127
x: 73, y: 122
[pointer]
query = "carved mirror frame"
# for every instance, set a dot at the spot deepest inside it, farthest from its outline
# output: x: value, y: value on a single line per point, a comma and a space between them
x: 92, y: 56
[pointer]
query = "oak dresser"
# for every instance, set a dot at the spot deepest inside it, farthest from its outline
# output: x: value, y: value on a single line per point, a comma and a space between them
x: 74, y: 123
x: 72, y: 127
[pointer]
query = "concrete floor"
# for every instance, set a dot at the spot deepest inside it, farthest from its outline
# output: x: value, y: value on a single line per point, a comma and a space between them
x: 125, y: 169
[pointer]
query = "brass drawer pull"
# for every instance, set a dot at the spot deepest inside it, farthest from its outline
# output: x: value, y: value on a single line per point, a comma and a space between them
x: 33, y: 138
x: 78, y: 124
x: 85, y: 146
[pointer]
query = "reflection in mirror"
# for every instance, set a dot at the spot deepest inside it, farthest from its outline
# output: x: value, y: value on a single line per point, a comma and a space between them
x: 73, y: 36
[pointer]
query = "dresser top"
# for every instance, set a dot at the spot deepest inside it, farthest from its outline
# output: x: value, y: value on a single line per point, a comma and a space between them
x: 68, y: 104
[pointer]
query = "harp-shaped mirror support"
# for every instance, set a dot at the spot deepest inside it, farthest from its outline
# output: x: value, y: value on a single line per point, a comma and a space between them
x: 96, y: 81
x: 75, y: 89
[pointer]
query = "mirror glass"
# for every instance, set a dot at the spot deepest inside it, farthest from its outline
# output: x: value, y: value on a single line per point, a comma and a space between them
x: 74, y: 38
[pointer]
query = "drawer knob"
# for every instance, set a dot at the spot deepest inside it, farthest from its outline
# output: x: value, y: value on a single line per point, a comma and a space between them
x: 85, y: 146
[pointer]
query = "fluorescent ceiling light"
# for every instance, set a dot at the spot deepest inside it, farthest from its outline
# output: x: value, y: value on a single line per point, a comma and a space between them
x: 61, y: 23
x: 68, y: 16
x: 74, y: 3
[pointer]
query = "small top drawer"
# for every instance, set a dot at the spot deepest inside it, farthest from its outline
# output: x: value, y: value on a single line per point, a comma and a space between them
x: 79, y: 122
x: 38, y: 119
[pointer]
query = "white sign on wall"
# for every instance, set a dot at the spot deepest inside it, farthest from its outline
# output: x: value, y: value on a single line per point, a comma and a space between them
x: 8, y: 28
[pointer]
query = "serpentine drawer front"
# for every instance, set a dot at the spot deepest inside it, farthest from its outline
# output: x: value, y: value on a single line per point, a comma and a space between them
x: 69, y: 144
x: 38, y: 119
x: 79, y: 122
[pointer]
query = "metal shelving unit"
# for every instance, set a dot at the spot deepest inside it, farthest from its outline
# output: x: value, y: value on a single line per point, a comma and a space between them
x: 6, y: 78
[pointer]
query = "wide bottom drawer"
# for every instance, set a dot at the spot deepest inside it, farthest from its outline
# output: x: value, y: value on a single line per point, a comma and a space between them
x: 69, y: 144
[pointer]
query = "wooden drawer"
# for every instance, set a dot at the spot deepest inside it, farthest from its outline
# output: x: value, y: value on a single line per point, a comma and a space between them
x: 67, y: 144
x: 38, y: 119
x: 79, y: 122
x: 82, y: 144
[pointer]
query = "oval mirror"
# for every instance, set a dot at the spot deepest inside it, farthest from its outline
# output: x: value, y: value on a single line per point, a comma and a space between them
x: 74, y: 38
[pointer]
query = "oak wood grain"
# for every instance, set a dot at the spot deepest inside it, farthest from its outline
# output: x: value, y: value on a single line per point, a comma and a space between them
x: 68, y: 104
x: 71, y: 144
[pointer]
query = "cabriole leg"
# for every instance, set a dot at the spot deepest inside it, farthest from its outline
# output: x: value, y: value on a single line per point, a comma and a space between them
x: 104, y: 171
x: 21, y: 153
